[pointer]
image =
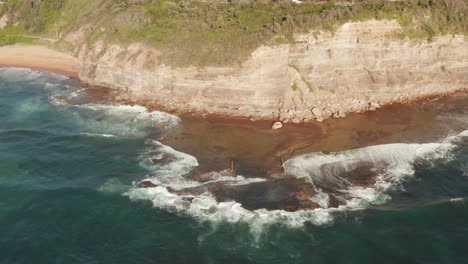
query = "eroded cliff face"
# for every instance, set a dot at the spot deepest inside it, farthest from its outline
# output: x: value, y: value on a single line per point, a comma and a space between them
x: 364, y: 65
x: 359, y: 67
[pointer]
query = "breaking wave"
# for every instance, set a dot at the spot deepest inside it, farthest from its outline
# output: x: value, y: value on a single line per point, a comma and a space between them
x: 122, y: 120
x: 359, y: 178
x: 356, y: 178
x: 347, y: 180
x: 166, y: 164
x: 98, y: 120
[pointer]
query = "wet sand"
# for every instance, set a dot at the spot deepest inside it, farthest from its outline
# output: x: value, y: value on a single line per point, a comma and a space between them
x: 38, y: 58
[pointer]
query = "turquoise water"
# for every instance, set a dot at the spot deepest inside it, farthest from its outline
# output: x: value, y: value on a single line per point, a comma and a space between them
x: 67, y: 196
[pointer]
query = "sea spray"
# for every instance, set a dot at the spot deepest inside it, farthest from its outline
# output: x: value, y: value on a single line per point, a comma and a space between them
x: 393, y: 163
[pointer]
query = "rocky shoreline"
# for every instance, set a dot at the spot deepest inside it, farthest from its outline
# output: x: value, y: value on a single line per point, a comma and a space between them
x: 360, y: 67
x: 290, y: 194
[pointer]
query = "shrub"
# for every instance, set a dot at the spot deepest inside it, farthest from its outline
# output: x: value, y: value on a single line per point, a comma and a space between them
x: 199, y: 33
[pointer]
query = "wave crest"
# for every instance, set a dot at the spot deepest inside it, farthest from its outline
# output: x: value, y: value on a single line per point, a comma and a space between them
x: 348, y: 180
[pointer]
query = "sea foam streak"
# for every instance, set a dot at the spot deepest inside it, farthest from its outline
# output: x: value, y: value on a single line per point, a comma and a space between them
x: 122, y: 120
x: 92, y: 119
x: 167, y: 164
x: 118, y: 120
x: 393, y: 164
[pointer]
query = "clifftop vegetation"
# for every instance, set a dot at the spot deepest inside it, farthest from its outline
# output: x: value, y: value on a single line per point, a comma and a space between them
x: 215, y: 33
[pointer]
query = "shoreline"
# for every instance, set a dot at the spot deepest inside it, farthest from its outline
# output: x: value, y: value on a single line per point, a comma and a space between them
x: 407, y: 101
x: 258, y: 151
x: 44, y: 59
x: 39, y: 58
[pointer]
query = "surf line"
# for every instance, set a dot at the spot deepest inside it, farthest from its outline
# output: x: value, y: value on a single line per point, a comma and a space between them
x: 456, y: 200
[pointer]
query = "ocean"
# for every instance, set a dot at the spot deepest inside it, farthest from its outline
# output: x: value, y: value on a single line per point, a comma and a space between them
x: 69, y: 188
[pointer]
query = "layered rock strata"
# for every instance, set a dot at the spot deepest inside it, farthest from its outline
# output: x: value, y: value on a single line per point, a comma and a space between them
x: 359, y: 67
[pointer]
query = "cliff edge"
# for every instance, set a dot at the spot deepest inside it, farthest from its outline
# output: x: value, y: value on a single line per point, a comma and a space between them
x: 262, y: 60
x: 359, y: 67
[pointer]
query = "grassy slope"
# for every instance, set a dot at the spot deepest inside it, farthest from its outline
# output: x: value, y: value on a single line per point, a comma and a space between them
x: 196, y: 33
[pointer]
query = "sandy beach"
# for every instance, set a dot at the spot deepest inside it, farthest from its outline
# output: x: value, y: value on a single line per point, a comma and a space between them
x: 38, y: 58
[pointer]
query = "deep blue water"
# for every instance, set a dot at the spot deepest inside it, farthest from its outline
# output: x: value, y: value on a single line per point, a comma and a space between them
x: 65, y: 172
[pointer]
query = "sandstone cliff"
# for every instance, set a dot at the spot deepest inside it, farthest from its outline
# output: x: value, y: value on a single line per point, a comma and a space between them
x: 359, y: 67
x: 3, y: 21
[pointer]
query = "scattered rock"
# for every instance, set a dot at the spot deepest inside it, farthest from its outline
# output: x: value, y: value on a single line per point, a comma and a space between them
x: 277, y: 125
x: 204, y: 177
x: 287, y: 194
x: 317, y: 112
x: 227, y: 173
x: 326, y: 113
x: 286, y: 116
x: 146, y: 184
x: 339, y: 114
x: 374, y: 106
x: 122, y: 97
x: 297, y: 120
x: 61, y: 100
x: 276, y: 173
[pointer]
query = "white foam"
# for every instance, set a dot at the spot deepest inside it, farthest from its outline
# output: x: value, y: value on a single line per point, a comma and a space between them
x: 457, y: 200
x: 98, y: 135
x: 457, y: 139
x: 117, y: 120
x: 206, y: 208
x: 322, y: 199
x: 235, y: 180
x: 368, y: 195
x: 393, y: 162
x: 122, y: 120
x: 167, y: 165
x: 113, y: 185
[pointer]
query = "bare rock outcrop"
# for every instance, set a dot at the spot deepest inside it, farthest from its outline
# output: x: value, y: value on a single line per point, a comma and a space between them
x: 3, y: 21
x: 360, y: 67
